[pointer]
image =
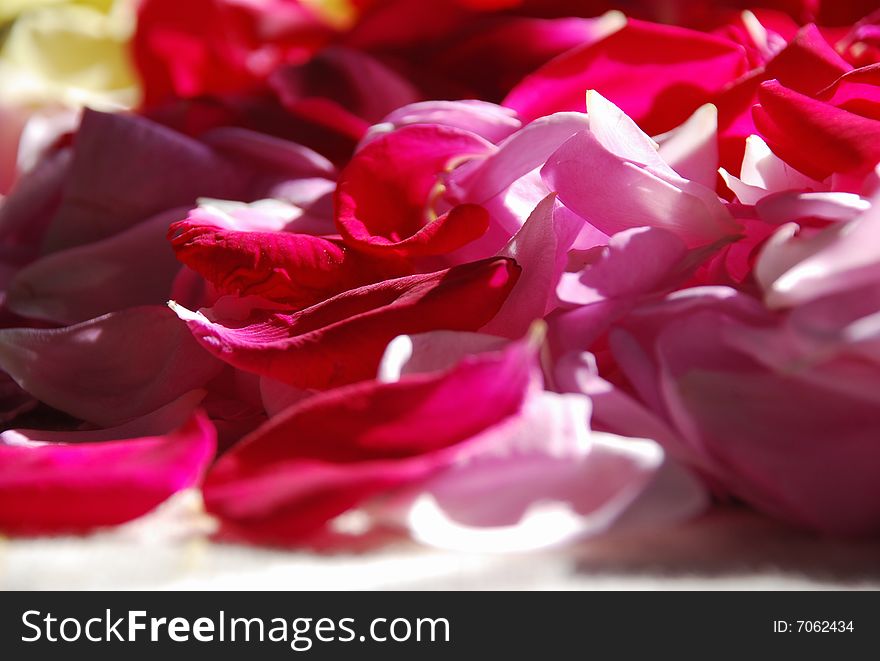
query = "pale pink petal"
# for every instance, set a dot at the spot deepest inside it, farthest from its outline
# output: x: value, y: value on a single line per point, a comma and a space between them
x: 312, y: 213
x: 538, y: 480
x: 507, y: 183
x: 692, y: 148
x: 540, y: 247
x: 482, y: 179
x: 436, y: 351
x: 794, y: 269
x: 488, y: 120
x: 635, y: 262
x: 637, y: 188
x: 762, y: 168
x: 278, y: 396
x: 779, y: 208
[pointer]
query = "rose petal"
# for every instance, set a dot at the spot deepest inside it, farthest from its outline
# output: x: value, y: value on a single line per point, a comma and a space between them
x: 383, y: 199
x: 692, y: 148
x: 435, y: 351
x: 815, y: 137
x: 540, y: 481
x: 111, y: 369
x: 491, y: 122
x: 350, y: 79
x: 341, y: 340
x: 297, y: 269
x: 126, y: 168
x: 637, y: 188
x: 134, y: 267
x: 337, y: 449
x: 541, y: 249
x: 51, y: 487
x: 657, y: 74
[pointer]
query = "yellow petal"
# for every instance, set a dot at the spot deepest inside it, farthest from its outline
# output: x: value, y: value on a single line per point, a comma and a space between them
x: 73, y: 53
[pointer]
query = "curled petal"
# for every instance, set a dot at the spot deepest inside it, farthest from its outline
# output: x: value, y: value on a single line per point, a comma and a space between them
x: 794, y: 268
x: 763, y: 172
x: 384, y: 197
x: 815, y: 137
x: 341, y: 340
x: 527, y: 149
x: 692, y: 148
x: 296, y: 269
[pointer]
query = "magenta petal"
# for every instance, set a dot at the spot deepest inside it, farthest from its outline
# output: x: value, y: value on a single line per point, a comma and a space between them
x: 111, y: 369
x: 51, y: 487
x: 815, y: 137
x: 657, y: 74
x: 335, y: 450
x: 808, y: 62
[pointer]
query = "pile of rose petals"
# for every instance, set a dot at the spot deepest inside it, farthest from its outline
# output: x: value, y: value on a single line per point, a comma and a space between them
x: 493, y: 275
